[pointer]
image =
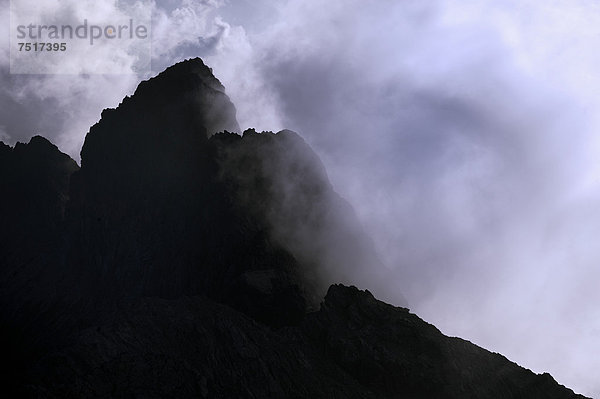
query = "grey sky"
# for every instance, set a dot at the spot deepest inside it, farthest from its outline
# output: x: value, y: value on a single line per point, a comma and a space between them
x: 464, y: 134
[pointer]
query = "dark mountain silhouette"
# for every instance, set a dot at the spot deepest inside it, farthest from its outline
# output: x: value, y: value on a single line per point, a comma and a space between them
x: 182, y: 260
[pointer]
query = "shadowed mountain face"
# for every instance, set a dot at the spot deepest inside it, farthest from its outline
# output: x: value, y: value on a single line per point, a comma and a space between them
x: 177, y: 262
x: 34, y: 181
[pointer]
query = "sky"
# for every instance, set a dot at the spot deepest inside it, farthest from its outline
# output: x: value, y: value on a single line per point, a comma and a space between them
x: 464, y: 133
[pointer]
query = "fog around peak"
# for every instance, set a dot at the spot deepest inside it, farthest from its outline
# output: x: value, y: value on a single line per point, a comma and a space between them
x: 464, y: 134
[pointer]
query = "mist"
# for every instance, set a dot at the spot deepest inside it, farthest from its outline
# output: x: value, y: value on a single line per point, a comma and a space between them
x: 465, y: 138
x: 464, y: 134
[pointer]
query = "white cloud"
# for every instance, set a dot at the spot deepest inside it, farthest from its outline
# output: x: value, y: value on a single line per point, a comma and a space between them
x: 465, y: 136
x: 89, y: 50
x: 63, y: 107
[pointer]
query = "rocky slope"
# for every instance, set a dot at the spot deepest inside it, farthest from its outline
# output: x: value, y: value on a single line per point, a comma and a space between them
x: 353, y: 347
x: 177, y: 262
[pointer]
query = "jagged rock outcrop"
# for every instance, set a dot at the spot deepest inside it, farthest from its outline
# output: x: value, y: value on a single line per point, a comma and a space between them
x: 144, y: 209
x: 160, y: 209
x: 277, y: 178
x: 182, y: 260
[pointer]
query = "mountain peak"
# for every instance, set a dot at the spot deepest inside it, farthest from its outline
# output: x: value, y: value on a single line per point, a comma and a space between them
x: 41, y: 141
x: 174, y: 264
x: 191, y: 71
x: 170, y: 114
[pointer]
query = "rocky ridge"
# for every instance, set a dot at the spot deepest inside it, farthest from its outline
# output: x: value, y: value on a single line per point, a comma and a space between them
x: 177, y: 262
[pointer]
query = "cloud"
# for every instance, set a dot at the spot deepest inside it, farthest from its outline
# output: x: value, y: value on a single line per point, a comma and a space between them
x: 3, y: 136
x: 62, y: 107
x: 463, y: 133
x: 187, y: 30
x: 82, y: 26
x: 465, y: 137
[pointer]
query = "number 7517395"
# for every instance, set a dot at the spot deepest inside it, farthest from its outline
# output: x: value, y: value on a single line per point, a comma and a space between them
x: 23, y: 46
